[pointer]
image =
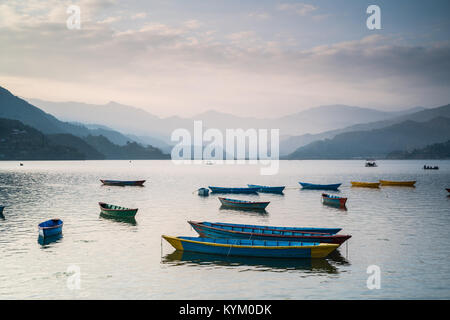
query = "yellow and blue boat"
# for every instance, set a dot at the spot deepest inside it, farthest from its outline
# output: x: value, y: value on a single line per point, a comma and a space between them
x: 252, y: 248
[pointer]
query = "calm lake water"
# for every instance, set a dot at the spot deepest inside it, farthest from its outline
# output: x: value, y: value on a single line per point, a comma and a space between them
x: 404, y: 231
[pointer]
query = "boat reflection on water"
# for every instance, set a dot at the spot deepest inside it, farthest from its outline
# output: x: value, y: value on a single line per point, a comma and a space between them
x: 126, y: 220
x: 250, y: 211
x: 179, y: 258
x: 336, y: 207
x: 43, y: 241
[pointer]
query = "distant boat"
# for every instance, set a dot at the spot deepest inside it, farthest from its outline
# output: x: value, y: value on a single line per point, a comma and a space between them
x: 254, y: 232
x: 1, y: 209
x: 252, y: 248
x: 242, y: 204
x: 365, y: 184
x: 334, y: 200
x: 448, y: 189
x: 312, y: 186
x: 398, y: 183
x: 50, y: 228
x: 267, y: 189
x: 371, y: 163
x: 203, y: 192
x: 117, y: 211
x: 425, y: 167
x: 123, y: 183
x: 233, y: 190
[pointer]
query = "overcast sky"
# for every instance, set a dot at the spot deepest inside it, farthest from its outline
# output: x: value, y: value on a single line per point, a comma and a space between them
x: 249, y: 57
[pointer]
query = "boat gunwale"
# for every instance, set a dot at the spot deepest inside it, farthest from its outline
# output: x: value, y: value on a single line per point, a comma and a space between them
x: 333, y: 197
x: 264, y: 227
x: 53, y: 227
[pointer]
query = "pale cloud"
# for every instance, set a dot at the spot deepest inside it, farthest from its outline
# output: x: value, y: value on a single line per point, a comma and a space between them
x: 259, y: 15
x: 193, y: 24
x: 110, y: 20
x: 140, y: 15
x: 301, y: 9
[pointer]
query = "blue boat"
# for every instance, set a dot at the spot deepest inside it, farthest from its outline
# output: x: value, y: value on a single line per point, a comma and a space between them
x: 233, y: 190
x: 243, y: 204
x: 1, y: 209
x: 312, y: 186
x: 204, y: 192
x: 252, y: 248
x: 216, y: 230
x: 236, y: 226
x: 50, y: 228
x: 267, y: 189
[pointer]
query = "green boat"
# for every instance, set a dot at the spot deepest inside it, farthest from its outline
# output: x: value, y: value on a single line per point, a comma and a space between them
x: 116, y: 211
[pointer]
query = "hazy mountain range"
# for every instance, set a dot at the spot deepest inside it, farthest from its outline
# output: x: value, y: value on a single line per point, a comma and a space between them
x: 29, y: 133
x: 115, y: 131
x: 379, y: 142
x: 143, y: 124
x: 291, y: 143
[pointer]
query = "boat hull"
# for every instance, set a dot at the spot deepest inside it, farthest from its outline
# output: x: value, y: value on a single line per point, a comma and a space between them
x: 116, y: 211
x: 267, y: 189
x: 233, y: 190
x: 1, y: 209
x: 50, y: 228
x: 217, y: 231
x: 251, y: 248
x: 398, y: 183
x: 334, y: 201
x: 240, y: 204
x: 312, y: 186
x: 274, y: 228
x: 122, y: 183
x: 365, y: 184
x: 203, y: 192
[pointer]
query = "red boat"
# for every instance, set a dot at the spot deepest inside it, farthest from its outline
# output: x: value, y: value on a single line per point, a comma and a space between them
x: 333, y: 200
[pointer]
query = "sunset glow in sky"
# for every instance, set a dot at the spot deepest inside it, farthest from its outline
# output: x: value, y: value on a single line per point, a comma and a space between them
x: 254, y: 57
